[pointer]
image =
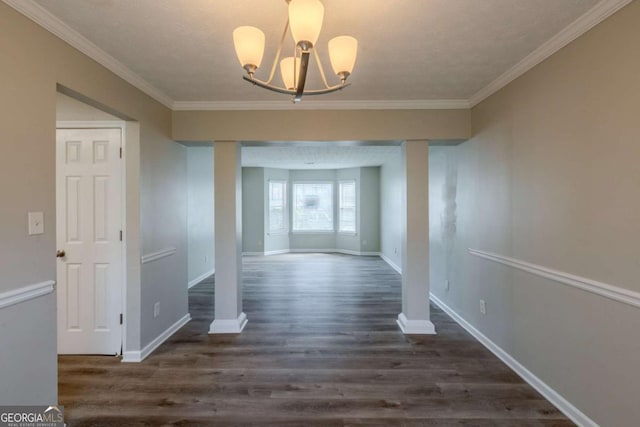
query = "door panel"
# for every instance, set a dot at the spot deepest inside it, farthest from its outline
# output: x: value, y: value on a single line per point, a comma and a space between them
x: 88, y: 209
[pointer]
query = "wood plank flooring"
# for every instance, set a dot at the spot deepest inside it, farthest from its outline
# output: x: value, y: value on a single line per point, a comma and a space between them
x: 321, y: 349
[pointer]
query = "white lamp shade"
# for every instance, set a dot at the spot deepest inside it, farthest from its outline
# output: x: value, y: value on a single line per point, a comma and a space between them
x: 343, y: 51
x: 249, y: 44
x: 305, y: 20
x: 288, y: 72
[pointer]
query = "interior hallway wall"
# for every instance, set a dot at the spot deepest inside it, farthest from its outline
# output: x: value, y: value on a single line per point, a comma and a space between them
x: 200, y: 211
x: 551, y: 178
x: 392, y: 181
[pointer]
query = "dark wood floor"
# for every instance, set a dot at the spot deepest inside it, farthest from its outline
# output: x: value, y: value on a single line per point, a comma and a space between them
x: 321, y: 349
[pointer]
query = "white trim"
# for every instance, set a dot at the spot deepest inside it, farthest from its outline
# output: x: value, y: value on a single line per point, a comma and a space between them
x: 200, y: 278
x: 276, y: 252
x: 96, y: 124
x: 26, y: 293
x: 415, y: 327
x: 53, y: 24
x: 422, y: 104
x: 312, y: 251
x: 549, y: 393
x: 228, y: 326
x: 139, y: 356
x: 391, y: 263
x: 584, y: 23
x: 57, y: 27
x: 154, y: 256
x: 356, y: 253
x: 612, y: 292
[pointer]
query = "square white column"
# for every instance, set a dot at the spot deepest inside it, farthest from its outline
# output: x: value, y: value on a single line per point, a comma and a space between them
x: 414, y: 318
x: 229, y: 318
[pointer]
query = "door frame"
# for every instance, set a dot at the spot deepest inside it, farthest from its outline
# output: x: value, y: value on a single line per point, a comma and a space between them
x: 122, y: 126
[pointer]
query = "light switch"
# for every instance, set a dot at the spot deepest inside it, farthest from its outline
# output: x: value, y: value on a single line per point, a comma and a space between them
x: 36, y: 223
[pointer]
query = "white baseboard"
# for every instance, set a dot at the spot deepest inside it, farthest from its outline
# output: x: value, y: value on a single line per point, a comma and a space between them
x: 278, y: 252
x: 200, y: 278
x: 253, y: 253
x: 139, y: 356
x: 550, y: 394
x: 357, y: 253
x: 311, y: 251
x: 391, y: 263
x: 228, y: 326
x: 415, y: 327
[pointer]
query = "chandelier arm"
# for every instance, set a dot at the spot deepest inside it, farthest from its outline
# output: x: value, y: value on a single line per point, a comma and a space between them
x: 304, y: 66
x: 321, y: 68
x: 277, y: 58
x: 277, y: 89
x: 268, y: 86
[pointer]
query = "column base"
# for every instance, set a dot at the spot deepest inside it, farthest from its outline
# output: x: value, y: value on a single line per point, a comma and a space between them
x: 415, y: 327
x: 228, y: 326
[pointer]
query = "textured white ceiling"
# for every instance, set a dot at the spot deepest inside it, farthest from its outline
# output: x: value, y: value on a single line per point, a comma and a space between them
x: 409, y: 49
x: 317, y: 156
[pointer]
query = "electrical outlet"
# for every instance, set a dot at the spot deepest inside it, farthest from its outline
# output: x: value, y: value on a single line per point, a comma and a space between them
x: 206, y: 259
x: 156, y: 309
x: 446, y: 285
x: 395, y: 251
x: 483, y: 307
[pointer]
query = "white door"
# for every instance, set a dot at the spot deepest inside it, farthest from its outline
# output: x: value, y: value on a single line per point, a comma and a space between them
x: 89, y: 263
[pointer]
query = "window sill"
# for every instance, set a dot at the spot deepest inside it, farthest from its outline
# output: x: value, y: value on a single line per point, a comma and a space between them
x: 348, y: 233
x: 313, y: 232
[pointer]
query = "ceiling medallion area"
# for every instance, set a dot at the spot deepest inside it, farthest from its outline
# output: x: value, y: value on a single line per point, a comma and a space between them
x: 305, y: 21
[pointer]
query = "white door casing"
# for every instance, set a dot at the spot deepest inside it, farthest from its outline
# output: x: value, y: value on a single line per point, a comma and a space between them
x: 88, y: 230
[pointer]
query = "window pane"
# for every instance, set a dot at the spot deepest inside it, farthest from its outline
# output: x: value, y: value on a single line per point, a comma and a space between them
x: 313, y: 206
x: 347, y: 205
x: 277, y: 206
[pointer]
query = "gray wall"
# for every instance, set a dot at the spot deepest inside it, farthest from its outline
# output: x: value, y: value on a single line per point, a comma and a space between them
x: 27, y: 361
x: 391, y: 187
x: 39, y: 62
x: 280, y: 241
x: 369, y: 210
x: 163, y: 209
x: 253, y: 201
x: 551, y: 177
x: 200, y: 212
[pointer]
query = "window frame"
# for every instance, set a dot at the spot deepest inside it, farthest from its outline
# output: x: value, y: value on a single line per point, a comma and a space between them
x: 285, y: 207
x: 332, y: 210
x: 353, y: 232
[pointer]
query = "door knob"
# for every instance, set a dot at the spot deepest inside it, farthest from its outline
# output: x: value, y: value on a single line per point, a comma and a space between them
x: 60, y: 254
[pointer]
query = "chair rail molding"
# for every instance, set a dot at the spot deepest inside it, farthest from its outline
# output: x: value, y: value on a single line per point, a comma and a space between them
x: 606, y: 290
x: 154, y: 256
x: 26, y: 293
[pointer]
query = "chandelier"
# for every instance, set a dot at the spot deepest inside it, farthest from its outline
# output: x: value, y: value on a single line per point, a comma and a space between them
x: 305, y: 21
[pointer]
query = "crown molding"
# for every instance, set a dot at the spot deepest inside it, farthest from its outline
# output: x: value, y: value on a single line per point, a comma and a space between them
x: 584, y: 23
x: 435, y: 104
x: 54, y: 25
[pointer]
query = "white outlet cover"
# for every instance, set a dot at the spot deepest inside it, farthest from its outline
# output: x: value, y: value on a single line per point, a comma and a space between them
x: 446, y: 285
x: 483, y: 307
x: 36, y: 223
